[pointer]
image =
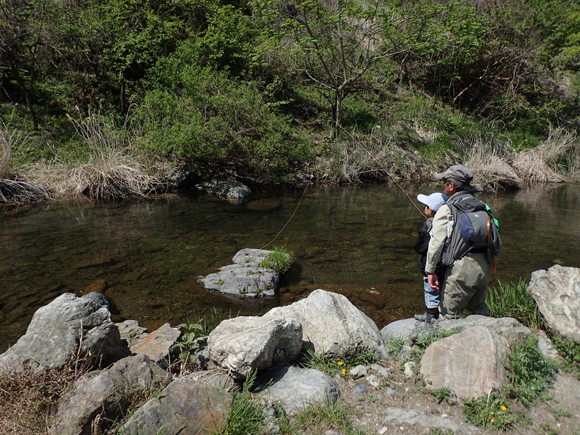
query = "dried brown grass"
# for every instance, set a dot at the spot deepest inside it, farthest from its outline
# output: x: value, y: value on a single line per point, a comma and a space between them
x: 29, y: 401
x: 14, y: 187
x: 551, y: 161
x: 497, y: 166
x: 356, y: 160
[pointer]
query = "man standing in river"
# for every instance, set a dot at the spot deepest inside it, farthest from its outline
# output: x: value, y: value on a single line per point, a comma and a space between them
x: 465, y: 284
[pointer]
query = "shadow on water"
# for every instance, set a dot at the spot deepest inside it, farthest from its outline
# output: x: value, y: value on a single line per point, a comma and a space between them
x: 355, y: 240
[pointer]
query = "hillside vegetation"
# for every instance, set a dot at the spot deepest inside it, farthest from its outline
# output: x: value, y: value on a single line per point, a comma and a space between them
x: 264, y: 88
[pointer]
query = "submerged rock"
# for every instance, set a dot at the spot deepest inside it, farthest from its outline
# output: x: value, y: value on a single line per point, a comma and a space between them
x: 233, y: 190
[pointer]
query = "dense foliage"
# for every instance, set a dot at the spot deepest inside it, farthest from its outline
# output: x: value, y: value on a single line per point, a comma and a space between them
x: 257, y: 82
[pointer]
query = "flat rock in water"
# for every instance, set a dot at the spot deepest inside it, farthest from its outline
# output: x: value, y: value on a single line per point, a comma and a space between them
x: 557, y: 293
x: 187, y: 407
x: 58, y: 329
x: 242, y: 280
x: 295, y: 388
x: 469, y: 363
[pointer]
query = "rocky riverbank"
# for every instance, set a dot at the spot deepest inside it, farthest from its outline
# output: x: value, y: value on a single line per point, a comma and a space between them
x: 320, y: 351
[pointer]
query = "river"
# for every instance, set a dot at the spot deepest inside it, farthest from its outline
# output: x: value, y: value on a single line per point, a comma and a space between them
x: 355, y: 240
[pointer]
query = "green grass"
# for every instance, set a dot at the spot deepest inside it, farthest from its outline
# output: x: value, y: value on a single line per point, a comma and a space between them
x: 491, y: 411
x: 279, y: 259
x: 513, y: 300
x: 246, y: 416
x: 332, y: 366
x: 323, y: 417
x: 530, y: 373
x: 570, y: 351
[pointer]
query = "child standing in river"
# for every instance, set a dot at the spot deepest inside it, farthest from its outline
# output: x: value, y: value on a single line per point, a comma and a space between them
x: 421, y: 245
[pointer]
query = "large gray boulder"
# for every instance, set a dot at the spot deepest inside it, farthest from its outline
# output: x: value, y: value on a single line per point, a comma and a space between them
x: 103, y: 397
x: 332, y: 326
x: 68, y: 326
x: 244, y: 344
x: 470, y: 363
x: 508, y: 327
x: 187, y: 407
x: 295, y: 388
x: 557, y: 293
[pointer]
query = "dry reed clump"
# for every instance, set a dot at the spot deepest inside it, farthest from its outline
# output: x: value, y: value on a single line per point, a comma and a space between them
x: 547, y: 162
x: 28, y: 402
x: 498, y: 166
x: 14, y: 188
x: 113, y: 172
x: 110, y: 177
x: 491, y: 164
x: 353, y: 161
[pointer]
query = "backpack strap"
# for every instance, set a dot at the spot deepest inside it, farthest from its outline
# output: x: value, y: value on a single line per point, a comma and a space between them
x: 489, y: 242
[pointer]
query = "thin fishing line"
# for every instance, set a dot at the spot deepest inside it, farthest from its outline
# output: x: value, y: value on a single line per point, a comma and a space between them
x: 384, y: 169
x: 298, y: 205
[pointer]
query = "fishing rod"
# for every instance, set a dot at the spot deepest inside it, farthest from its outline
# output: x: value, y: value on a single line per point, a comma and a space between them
x: 376, y: 160
x: 384, y: 169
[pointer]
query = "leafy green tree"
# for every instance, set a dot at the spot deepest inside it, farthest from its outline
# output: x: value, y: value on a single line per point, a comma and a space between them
x: 26, y: 45
x: 332, y: 42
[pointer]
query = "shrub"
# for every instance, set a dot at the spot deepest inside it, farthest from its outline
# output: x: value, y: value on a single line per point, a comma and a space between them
x: 199, y: 112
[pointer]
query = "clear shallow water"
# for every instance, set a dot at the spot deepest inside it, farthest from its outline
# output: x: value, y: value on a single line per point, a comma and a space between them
x: 355, y: 240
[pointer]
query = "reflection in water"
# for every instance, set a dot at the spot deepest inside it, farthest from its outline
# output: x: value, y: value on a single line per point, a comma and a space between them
x: 355, y: 240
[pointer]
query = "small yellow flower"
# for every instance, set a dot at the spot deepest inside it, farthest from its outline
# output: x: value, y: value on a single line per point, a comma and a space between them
x: 340, y: 363
x: 503, y: 408
x: 344, y: 371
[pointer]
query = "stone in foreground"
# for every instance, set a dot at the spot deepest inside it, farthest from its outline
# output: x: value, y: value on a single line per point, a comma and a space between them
x: 332, y: 326
x: 470, y: 363
x: 244, y: 344
x: 158, y: 344
x: 187, y: 407
x: 96, y: 399
x: 295, y: 389
x: 59, y: 329
x: 557, y: 293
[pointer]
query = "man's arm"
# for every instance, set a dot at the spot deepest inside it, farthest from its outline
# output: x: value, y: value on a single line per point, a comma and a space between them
x: 436, y: 244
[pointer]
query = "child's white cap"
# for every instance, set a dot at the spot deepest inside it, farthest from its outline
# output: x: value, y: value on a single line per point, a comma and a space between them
x: 433, y: 201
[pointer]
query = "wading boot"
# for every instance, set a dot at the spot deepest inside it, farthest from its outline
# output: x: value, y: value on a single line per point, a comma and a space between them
x: 427, y: 317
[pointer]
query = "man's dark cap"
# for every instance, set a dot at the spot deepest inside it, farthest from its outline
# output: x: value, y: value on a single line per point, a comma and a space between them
x: 459, y: 174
